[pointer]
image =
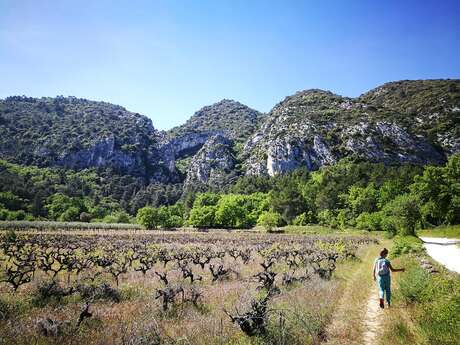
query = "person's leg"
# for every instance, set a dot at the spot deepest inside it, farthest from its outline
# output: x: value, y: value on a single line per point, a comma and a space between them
x: 381, y: 286
x: 388, y: 290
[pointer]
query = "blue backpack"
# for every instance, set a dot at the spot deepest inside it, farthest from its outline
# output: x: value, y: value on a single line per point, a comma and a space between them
x: 382, y: 267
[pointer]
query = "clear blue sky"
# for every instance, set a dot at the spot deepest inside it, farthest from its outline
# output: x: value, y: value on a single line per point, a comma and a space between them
x: 166, y: 59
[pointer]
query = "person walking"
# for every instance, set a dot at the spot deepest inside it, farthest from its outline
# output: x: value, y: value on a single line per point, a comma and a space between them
x: 381, y: 274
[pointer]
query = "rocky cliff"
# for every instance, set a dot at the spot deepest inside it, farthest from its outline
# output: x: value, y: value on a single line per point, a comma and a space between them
x: 213, y: 166
x: 314, y: 127
x: 429, y: 108
x: 227, y: 118
x: 224, y: 127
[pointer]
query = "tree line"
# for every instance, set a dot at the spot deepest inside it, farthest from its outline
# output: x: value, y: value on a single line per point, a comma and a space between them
x: 370, y: 196
x: 96, y: 195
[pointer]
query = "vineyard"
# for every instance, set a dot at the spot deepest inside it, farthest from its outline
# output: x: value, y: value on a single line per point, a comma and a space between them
x: 169, y: 288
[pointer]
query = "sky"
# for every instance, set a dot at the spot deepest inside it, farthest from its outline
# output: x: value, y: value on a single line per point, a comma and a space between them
x: 167, y: 59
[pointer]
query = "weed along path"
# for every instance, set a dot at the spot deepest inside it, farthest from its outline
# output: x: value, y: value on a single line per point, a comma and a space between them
x: 444, y: 250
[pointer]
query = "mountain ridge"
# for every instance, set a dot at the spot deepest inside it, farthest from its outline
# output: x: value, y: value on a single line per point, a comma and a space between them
x: 398, y: 122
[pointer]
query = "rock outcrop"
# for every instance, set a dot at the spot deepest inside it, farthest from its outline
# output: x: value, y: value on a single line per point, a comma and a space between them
x: 227, y: 117
x: 213, y: 166
x: 315, y: 128
x: 223, y: 124
x: 430, y: 108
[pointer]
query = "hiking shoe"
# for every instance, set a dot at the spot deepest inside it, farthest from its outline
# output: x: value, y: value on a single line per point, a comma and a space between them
x: 382, y: 305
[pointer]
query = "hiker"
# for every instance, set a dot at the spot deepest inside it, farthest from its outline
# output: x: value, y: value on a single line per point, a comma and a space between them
x: 381, y: 273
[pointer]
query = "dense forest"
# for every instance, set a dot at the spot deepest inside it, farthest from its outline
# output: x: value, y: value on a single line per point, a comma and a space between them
x: 358, y: 194
x: 28, y: 192
x: 370, y: 196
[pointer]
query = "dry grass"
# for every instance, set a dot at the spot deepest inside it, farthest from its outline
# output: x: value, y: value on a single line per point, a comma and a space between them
x: 426, y: 308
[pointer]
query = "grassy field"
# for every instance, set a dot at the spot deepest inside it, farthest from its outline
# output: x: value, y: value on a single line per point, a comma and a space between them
x: 452, y: 231
x: 355, y: 285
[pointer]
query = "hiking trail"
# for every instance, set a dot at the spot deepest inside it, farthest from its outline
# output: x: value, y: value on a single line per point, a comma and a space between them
x: 372, y: 319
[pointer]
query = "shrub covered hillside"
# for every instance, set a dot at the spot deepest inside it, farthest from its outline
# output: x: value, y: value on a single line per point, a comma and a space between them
x: 79, y: 134
x: 430, y: 107
x: 232, y: 118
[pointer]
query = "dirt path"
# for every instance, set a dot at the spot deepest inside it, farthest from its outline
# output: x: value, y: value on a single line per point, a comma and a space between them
x: 372, y: 319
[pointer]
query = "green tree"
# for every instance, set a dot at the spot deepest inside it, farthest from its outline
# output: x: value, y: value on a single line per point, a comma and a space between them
x: 240, y: 211
x: 287, y: 198
x: 10, y: 201
x: 269, y: 220
x: 327, y: 217
x: 404, y: 212
x: 4, y: 214
x: 252, y: 184
x: 71, y: 214
x: 369, y: 221
x: 430, y: 188
x: 117, y: 217
x: 202, y: 216
x: 13, y: 215
x: 305, y: 218
x: 148, y: 217
x: 231, y: 212
x: 206, y: 199
x: 362, y: 199
x: 452, y: 175
x: 64, y: 208
x: 173, y: 221
x: 388, y: 191
x: 438, y: 190
x: 343, y: 218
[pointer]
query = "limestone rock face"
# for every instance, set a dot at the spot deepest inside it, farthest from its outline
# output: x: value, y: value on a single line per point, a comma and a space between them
x: 219, y: 126
x: 190, y: 143
x: 429, y: 108
x: 213, y: 166
x: 315, y: 128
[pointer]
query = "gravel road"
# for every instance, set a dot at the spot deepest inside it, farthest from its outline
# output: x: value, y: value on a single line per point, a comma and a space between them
x: 444, y: 250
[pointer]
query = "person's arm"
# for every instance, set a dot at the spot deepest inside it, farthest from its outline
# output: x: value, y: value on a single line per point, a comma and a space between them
x: 396, y: 269
x: 373, y: 270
